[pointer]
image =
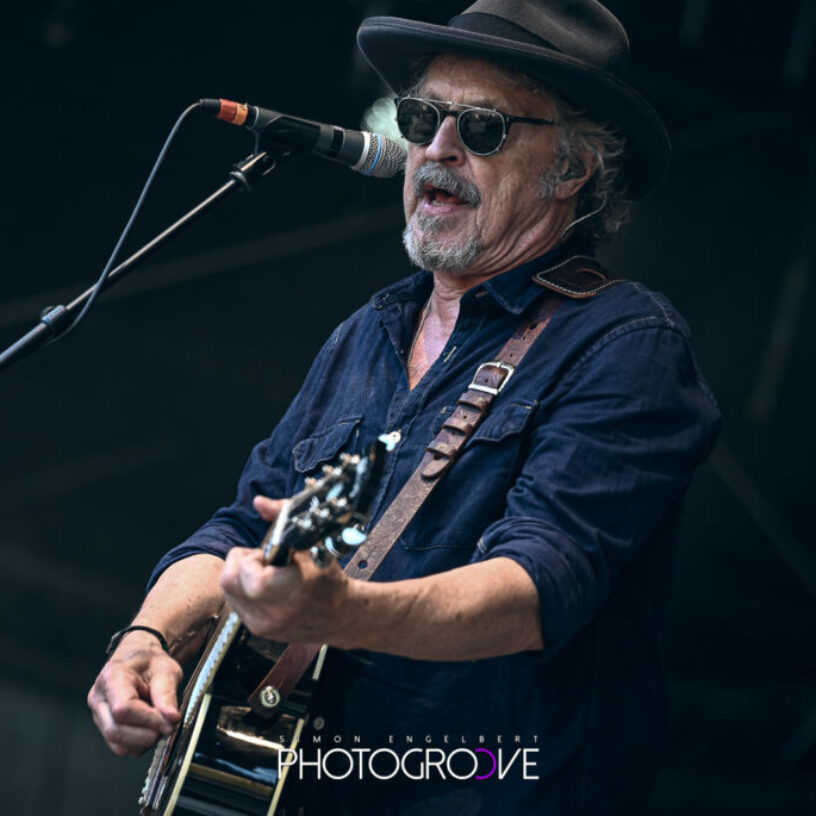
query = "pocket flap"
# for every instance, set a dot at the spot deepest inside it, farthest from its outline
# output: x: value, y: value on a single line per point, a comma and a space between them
x: 504, y: 420
x: 325, y: 445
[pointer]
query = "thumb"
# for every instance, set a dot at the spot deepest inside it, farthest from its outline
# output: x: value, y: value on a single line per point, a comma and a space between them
x: 164, y: 694
x: 268, y: 509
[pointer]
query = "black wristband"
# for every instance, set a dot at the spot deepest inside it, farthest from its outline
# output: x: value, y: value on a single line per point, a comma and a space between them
x: 117, y: 637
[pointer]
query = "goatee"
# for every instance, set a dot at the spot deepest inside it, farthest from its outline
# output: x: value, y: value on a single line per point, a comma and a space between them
x: 421, y: 236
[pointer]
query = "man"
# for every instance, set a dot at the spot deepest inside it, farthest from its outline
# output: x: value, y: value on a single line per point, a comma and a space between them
x: 521, y: 606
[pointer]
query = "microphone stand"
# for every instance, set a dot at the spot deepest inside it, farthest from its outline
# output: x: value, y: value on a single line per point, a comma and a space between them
x: 57, y: 319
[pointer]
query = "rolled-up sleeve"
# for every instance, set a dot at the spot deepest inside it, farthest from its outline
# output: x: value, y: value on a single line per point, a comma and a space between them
x: 612, y: 450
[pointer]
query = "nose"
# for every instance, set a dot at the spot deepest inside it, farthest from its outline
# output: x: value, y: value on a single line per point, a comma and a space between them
x: 446, y: 147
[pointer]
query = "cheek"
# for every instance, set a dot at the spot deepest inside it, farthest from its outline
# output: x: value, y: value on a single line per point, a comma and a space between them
x: 499, y: 195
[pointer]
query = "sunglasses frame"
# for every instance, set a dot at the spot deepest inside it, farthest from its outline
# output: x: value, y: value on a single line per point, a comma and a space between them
x: 442, y: 109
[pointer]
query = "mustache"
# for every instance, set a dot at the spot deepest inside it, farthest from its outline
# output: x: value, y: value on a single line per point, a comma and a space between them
x: 446, y: 179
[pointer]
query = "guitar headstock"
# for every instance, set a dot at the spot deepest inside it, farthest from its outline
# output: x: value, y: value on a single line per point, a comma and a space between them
x: 329, y: 515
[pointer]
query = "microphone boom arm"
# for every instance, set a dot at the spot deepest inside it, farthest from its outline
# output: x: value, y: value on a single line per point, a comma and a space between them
x: 57, y: 319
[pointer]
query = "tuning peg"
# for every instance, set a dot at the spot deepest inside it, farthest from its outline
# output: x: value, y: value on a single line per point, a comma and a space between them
x: 353, y: 537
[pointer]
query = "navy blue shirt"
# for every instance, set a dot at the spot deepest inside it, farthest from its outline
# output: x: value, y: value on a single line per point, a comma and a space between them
x: 577, y: 473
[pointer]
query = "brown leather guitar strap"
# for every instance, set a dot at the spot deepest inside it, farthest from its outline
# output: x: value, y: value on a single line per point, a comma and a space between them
x: 471, y: 408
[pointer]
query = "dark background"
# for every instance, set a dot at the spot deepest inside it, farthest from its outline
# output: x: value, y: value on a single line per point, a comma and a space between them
x: 119, y: 441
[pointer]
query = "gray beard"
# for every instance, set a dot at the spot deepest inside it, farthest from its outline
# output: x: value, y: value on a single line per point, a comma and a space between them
x: 430, y: 249
x: 429, y: 252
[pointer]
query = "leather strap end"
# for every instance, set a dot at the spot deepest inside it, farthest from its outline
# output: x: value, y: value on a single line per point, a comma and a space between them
x: 435, y: 466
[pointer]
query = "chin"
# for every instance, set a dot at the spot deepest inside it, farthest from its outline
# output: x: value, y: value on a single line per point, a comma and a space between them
x: 438, y: 254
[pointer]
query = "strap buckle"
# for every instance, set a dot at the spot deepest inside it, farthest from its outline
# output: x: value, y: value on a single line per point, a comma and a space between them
x: 489, y: 389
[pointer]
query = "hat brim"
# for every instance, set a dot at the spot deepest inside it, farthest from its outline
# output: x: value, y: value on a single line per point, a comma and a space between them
x: 392, y: 45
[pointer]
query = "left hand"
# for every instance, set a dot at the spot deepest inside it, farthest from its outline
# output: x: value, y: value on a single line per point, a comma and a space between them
x: 298, y: 602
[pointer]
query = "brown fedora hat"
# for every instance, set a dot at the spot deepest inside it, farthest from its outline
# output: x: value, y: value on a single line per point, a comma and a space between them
x: 576, y: 47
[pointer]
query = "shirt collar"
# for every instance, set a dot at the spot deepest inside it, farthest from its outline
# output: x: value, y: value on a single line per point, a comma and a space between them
x: 415, y: 287
x: 512, y: 290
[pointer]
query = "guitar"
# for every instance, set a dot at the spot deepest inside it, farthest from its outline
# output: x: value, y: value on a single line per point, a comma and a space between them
x: 223, y: 757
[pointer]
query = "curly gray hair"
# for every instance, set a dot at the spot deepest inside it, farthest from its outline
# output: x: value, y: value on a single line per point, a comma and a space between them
x: 603, y: 205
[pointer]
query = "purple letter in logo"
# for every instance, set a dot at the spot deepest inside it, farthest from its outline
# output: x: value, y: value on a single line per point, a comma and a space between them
x: 493, y: 757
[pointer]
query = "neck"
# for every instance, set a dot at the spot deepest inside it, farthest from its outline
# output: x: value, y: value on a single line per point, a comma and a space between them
x: 543, y: 238
x: 447, y: 292
x: 449, y: 287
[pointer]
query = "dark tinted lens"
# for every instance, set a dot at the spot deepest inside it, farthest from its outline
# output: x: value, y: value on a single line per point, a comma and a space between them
x: 417, y: 120
x: 481, y: 131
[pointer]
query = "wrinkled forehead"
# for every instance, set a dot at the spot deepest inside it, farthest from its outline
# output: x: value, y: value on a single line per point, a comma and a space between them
x: 472, y: 81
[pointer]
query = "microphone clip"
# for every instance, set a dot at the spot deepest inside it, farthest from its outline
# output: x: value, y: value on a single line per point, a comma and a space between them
x: 252, y: 169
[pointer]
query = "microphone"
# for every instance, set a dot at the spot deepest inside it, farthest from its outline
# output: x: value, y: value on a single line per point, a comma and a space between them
x: 368, y: 153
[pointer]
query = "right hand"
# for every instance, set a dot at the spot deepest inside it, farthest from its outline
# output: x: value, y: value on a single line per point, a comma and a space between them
x: 134, y: 700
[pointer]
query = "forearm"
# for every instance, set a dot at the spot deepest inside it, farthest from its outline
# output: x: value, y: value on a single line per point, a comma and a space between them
x: 478, y: 611
x: 183, y: 602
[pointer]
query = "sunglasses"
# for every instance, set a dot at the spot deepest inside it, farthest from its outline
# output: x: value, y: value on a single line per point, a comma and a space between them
x: 481, y: 130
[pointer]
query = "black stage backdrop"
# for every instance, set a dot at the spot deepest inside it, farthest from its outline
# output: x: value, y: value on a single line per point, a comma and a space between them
x: 121, y: 440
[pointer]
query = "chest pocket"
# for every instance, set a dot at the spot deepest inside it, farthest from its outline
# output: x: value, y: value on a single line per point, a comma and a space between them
x: 505, y: 419
x: 326, y: 444
x: 473, y: 494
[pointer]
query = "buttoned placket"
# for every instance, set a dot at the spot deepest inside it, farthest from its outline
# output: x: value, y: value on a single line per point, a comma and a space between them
x: 405, y: 409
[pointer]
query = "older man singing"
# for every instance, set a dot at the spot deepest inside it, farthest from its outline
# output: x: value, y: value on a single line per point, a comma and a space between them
x: 517, y: 606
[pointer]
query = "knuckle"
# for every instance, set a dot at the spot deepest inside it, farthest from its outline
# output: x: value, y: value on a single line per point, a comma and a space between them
x: 91, y: 699
x: 252, y: 589
x: 111, y: 733
x: 173, y: 669
x: 227, y: 579
x: 119, y: 711
x: 127, y: 749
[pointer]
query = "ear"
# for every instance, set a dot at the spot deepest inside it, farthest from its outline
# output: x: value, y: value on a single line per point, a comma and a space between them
x: 575, y: 175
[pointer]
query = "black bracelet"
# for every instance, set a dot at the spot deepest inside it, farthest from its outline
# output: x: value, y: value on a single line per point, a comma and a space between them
x: 117, y: 637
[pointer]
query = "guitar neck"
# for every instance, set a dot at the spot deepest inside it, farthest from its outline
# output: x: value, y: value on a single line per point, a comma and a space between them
x: 228, y: 627
x: 273, y: 550
x: 219, y: 759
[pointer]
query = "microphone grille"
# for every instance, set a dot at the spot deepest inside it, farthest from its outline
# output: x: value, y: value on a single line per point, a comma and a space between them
x: 384, y: 158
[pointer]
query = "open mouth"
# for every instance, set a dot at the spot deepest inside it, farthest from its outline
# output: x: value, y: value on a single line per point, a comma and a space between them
x: 440, y: 197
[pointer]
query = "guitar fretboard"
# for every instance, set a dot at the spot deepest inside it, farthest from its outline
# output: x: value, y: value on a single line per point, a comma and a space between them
x: 211, y: 663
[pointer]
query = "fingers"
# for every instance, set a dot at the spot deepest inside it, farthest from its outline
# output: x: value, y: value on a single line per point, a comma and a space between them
x: 124, y: 740
x: 266, y: 508
x: 237, y: 565
x: 298, y: 602
x: 255, y: 578
x: 133, y: 701
x: 128, y: 727
x: 164, y: 694
x: 246, y: 577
